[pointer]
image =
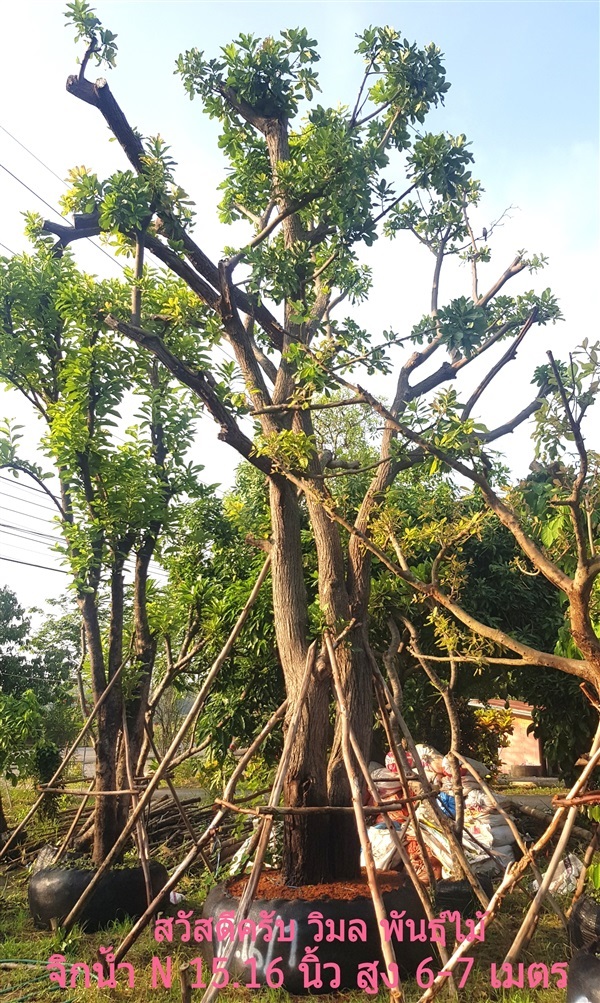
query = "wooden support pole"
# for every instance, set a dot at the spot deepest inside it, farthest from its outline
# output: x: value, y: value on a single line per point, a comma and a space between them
x: 587, y: 859
x: 382, y: 808
x: 402, y: 767
x: 142, y: 836
x: 487, y: 790
x: 63, y: 846
x: 396, y: 837
x: 185, y: 983
x: 177, y: 801
x: 387, y: 948
x: 466, y: 946
x: 447, y: 830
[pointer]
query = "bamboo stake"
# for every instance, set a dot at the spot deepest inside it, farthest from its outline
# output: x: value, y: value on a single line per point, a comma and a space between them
x: 466, y: 945
x: 166, y: 762
x: 185, y: 983
x: 487, y: 790
x: 85, y: 794
x: 188, y: 860
x: 396, y: 837
x: 60, y: 852
x: 402, y: 767
x: 180, y: 808
x: 447, y: 829
x: 387, y: 948
x: 142, y: 836
x: 529, y: 924
x: 382, y: 808
x: 267, y: 823
x: 588, y: 857
x: 66, y: 759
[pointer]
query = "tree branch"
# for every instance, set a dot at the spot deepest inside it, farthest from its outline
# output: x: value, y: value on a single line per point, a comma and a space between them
x: 581, y: 668
x: 575, y: 499
x: 99, y: 96
x: 513, y: 269
x: 38, y: 480
x: 508, y: 356
x: 200, y: 383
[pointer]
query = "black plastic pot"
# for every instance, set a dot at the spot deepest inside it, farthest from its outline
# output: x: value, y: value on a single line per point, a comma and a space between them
x: 119, y: 894
x: 584, y: 979
x: 253, y: 957
x: 458, y: 895
x: 584, y: 923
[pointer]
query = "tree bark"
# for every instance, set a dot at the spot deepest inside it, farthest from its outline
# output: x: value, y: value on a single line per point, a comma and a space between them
x: 355, y: 680
x: 109, y: 715
x: 305, y: 784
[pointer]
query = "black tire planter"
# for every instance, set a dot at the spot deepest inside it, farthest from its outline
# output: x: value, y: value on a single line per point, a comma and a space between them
x: 584, y: 923
x: 119, y: 894
x: 348, y: 955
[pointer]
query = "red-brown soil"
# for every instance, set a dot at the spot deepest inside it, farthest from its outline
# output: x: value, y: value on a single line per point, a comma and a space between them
x: 271, y: 886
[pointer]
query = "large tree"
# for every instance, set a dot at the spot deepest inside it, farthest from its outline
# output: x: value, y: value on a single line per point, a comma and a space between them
x: 318, y: 185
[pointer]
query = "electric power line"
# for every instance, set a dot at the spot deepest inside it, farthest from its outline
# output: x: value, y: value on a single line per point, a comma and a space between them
x: 32, y: 154
x: 60, y: 215
x: 25, y: 501
x: 22, y: 484
x: 7, y: 249
x: 28, y: 564
x: 20, y: 549
x: 28, y: 532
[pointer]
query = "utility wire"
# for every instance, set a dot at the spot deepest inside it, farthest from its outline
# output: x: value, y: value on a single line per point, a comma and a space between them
x: 46, y: 540
x: 60, y: 215
x: 22, y: 484
x: 28, y: 564
x: 17, y: 511
x: 21, y: 549
x: 25, y: 501
x: 32, y: 154
x: 8, y: 527
x: 35, y: 194
x: 7, y: 249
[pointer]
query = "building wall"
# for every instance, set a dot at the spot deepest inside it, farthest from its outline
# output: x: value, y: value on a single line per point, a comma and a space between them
x: 524, y: 749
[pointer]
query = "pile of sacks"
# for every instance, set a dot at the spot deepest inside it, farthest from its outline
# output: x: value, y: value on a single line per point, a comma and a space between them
x: 487, y: 838
x: 385, y: 853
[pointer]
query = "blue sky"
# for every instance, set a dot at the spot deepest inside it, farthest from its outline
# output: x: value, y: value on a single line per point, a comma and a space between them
x: 524, y: 90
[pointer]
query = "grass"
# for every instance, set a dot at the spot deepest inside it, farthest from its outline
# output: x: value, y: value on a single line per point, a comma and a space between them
x: 515, y: 789
x: 29, y: 984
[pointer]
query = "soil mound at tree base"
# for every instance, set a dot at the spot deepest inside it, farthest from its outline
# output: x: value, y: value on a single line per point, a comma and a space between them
x: 271, y: 886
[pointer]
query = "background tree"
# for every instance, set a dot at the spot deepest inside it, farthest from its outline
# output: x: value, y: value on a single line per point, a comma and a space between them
x: 112, y: 498
x: 20, y: 727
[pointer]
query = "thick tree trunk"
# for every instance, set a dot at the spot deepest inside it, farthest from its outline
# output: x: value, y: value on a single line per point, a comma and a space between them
x: 106, y: 827
x: 304, y: 861
x: 144, y: 650
x: 355, y: 679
